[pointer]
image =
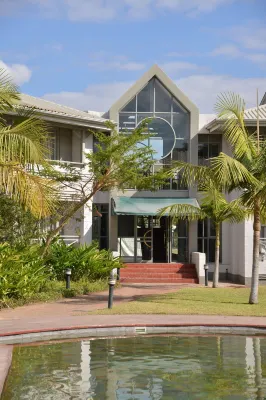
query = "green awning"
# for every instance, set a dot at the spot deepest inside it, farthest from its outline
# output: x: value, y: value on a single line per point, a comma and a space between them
x: 147, y: 205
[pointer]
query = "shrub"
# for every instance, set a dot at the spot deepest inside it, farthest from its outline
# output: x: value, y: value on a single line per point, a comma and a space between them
x: 22, y: 272
x: 85, y: 261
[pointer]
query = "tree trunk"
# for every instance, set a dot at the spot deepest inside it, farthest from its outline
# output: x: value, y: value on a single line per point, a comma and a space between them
x: 217, y: 256
x: 253, y: 298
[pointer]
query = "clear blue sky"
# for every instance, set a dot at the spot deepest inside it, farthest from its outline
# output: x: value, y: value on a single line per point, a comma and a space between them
x: 86, y: 53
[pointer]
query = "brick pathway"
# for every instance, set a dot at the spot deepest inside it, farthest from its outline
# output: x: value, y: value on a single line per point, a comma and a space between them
x: 68, y: 313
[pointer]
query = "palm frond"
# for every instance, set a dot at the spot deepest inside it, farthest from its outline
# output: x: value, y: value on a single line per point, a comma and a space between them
x: 231, y: 173
x: 25, y: 142
x: 9, y: 94
x: 191, y: 174
x: 230, y: 108
x: 35, y: 193
x: 182, y: 211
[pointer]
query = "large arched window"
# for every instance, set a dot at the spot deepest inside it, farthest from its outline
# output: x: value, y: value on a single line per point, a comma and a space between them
x: 170, y: 123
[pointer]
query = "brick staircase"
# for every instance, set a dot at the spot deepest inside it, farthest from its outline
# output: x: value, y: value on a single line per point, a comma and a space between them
x: 159, y: 273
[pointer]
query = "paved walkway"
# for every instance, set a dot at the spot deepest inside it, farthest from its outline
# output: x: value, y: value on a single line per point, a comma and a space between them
x: 68, y: 313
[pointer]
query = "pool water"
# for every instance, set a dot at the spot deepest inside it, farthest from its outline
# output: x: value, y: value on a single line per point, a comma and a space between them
x: 159, y: 367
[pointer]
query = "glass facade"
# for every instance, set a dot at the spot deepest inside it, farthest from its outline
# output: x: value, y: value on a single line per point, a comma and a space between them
x: 168, y: 123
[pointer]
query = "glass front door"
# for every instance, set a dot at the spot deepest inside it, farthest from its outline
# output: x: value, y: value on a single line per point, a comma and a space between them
x: 152, y: 239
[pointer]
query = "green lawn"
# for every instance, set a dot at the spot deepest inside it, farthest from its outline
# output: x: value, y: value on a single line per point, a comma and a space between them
x: 221, y: 301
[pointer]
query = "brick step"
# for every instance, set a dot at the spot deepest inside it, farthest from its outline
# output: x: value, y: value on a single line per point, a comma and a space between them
x: 163, y: 265
x: 160, y: 270
x: 157, y: 275
x: 156, y: 280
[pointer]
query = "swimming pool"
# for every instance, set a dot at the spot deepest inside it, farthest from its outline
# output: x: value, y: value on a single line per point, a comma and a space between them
x: 143, y: 367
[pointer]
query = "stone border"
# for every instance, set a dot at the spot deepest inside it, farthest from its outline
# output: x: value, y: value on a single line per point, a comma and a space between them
x: 91, y: 332
x: 5, y: 363
x: 127, y: 330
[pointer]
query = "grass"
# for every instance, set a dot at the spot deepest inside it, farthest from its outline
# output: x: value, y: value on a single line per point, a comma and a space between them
x: 55, y: 290
x: 196, y: 301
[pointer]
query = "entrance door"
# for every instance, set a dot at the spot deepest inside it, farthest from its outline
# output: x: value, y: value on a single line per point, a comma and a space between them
x: 160, y: 240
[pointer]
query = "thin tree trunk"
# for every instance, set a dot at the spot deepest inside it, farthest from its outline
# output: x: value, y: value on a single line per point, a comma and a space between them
x: 258, y: 369
x: 253, y: 298
x: 217, y: 256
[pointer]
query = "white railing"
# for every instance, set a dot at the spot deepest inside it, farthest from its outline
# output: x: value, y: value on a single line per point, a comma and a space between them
x: 68, y: 239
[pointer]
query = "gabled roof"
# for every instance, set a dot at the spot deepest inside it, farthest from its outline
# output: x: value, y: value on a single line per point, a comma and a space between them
x: 49, y: 108
x: 250, y: 117
x: 251, y: 113
x: 154, y: 71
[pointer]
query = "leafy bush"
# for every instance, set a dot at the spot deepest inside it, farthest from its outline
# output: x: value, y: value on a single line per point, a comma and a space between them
x: 22, y: 271
x: 86, y: 261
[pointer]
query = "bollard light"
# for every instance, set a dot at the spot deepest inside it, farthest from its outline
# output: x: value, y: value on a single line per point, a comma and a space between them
x: 68, y: 276
x: 206, y: 269
x: 111, y: 283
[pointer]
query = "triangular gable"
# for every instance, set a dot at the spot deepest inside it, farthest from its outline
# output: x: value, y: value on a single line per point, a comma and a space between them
x: 154, y: 71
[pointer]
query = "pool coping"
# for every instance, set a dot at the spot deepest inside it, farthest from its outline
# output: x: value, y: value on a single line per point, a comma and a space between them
x: 8, y: 339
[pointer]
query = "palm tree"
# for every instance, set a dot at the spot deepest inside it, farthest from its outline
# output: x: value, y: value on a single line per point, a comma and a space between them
x: 245, y: 170
x: 213, y: 205
x: 23, y: 149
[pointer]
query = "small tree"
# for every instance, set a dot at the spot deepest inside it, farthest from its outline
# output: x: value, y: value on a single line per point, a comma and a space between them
x: 120, y: 161
x: 213, y: 206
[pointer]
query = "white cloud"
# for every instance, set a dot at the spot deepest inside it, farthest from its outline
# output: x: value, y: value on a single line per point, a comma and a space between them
x: 178, y: 66
x: 250, y: 36
x: 97, y: 97
x: 103, y: 61
x: 104, y: 10
x: 19, y: 72
x: 201, y: 89
x: 233, y: 51
x: 204, y: 89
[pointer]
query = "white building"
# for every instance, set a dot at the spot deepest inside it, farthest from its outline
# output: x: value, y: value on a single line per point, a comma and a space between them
x: 129, y: 224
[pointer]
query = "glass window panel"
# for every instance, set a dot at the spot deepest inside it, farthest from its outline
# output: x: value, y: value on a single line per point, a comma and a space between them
x: 131, y: 106
x: 177, y: 108
x: 163, y: 99
x: 126, y: 226
x: 214, y: 150
x: 145, y: 98
x: 182, y: 227
x: 143, y: 116
x: 104, y: 224
x: 182, y: 250
x: 95, y: 228
x: 181, y: 127
x: 127, y: 122
x: 212, y: 229
x: 103, y: 243
x: 164, y: 139
x: 166, y: 116
x: 181, y: 154
x: 211, y: 255
x: 202, y: 245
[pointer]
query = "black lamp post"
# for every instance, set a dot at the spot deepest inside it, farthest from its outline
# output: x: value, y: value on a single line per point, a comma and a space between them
x: 206, y: 269
x: 68, y: 276
x: 111, y: 283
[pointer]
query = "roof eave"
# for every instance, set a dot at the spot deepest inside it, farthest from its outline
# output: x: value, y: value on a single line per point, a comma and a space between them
x: 65, y: 119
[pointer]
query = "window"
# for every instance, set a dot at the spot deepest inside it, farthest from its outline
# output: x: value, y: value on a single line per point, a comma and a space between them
x: 170, y: 123
x: 208, y: 146
x: 100, y: 224
x: 60, y: 144
x: 206, y: 239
